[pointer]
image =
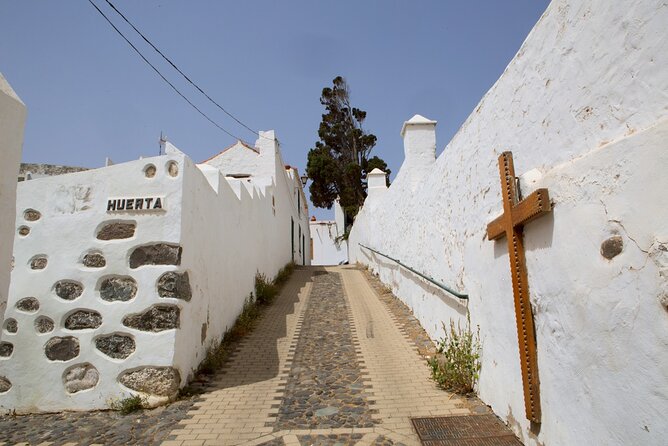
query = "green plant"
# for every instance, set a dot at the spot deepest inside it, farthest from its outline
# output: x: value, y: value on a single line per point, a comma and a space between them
x: 246, y: 320
x: 456, y: 364
x: 129, y: 404
x: 214, y: 359
x: 284, y: 274
x: 265, y: 291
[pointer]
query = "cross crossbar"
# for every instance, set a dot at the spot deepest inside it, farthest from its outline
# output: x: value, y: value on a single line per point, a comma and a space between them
x: 527, y: 210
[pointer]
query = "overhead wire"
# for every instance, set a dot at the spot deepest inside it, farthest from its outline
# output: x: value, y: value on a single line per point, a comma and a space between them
x: 161, y: 75
x: 168, y: 60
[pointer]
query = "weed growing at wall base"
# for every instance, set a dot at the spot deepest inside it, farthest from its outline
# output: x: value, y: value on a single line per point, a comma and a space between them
x: 456, y: 364
x: 284, y: 274
x: 265, y: 292
x: 129, y: 404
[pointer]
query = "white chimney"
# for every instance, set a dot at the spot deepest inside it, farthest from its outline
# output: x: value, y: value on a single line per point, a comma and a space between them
x: 376, y: 182
x: 419, y: 135
x: 267, y: 143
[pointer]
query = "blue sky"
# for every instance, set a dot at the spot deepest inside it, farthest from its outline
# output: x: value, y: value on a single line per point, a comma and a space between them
x: 89, y: 95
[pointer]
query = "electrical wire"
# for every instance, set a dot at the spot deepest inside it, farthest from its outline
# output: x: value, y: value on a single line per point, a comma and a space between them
x: 160, y: 74
x: 178, y: 69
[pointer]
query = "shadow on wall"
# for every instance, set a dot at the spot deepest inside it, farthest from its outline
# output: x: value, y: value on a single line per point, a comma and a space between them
x: 540, y: 235
x: 428, y: 288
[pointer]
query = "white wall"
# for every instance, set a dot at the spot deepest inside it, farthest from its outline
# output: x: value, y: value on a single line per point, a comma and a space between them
x: 12, y: 121
x: 228, y: 231
x: 238, y: 159
x: 326, y: 250
x: 235, y: 231
x: 583, y: 109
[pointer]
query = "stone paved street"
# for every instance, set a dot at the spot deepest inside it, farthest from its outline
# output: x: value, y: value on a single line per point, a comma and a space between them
x: 336, y: 360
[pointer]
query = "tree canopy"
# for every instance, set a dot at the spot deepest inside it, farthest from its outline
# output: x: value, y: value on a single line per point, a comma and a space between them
x: 339, y: 162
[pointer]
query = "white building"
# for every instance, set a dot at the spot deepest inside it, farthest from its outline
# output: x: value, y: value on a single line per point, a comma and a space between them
x: 583, y: 109
x: 124, y: 275
x: 12, y: 121
x: 327, y: 245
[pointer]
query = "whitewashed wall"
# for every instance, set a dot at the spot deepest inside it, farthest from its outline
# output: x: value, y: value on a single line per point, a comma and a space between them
x: 12, y: 120
x: 236, y: 230
x: 240, y: 158
x: 583, y: 108
x: 326, y: 249
x: 219, y: 233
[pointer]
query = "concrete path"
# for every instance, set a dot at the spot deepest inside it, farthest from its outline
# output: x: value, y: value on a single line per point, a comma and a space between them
x: 328, y: 364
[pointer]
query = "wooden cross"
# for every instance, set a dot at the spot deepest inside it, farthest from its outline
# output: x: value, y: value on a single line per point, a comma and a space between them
x: 516, y: 214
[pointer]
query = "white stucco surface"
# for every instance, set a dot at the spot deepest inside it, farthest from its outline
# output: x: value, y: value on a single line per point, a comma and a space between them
x: 12, y: 121
x: 326, y: 249
x: 583, y: 109
x: 226, y: 237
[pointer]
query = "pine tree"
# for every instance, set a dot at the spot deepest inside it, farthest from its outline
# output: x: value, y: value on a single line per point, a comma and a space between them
x: 339, y: 162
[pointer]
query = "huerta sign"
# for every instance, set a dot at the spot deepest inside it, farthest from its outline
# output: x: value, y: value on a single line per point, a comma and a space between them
x: 135, y: 204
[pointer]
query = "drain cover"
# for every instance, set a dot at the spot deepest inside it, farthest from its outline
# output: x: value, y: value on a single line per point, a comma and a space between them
x: 469, y: 430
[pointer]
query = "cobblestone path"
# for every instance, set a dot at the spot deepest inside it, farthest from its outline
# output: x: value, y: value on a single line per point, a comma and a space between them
x: 334, y: 361
x: 325, y: 387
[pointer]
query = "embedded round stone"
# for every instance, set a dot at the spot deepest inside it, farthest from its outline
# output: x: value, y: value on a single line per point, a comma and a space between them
x: 5, y: 384
x: 116, y: 230
x: 149, y: 171
x: 161, y: 381
x: 62, y: 349
x: 80, y: 377
x: 11, y: 326
x: 173, y: 168
x: 157, y: 254
x: 43, y: 325
x: 116, y: 346
x: 663, y: 300
x: 38, y: 262
x: 94, y: 260
x: 175, y: 285
x: 155, y: 319
x: 113, y: 289
x: 83, y: 319
x: 28, y: 304
x: 612, y: 247
x: 24, y: 230
x: 6, y: 349
x: 31, y: 215
x: 68, y: 289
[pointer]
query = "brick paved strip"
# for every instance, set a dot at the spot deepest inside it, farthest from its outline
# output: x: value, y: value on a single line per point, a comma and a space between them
x: 240, y: 406
x: 325, y: 387
x: 399, y: 376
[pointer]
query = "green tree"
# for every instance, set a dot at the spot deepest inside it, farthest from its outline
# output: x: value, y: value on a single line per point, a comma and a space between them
x: 339, y: 162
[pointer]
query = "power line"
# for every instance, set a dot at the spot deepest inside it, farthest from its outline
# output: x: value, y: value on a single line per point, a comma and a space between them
x: 178, y: 69
x: 160, y: 74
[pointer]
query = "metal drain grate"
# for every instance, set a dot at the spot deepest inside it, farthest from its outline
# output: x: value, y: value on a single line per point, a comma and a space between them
x: 469, y: 430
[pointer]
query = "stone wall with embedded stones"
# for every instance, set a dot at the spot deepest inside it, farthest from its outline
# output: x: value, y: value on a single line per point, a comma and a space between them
x: 581, y: 110
x: 12, y: 120
x: 84, y: 312
x: 124, y: 276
